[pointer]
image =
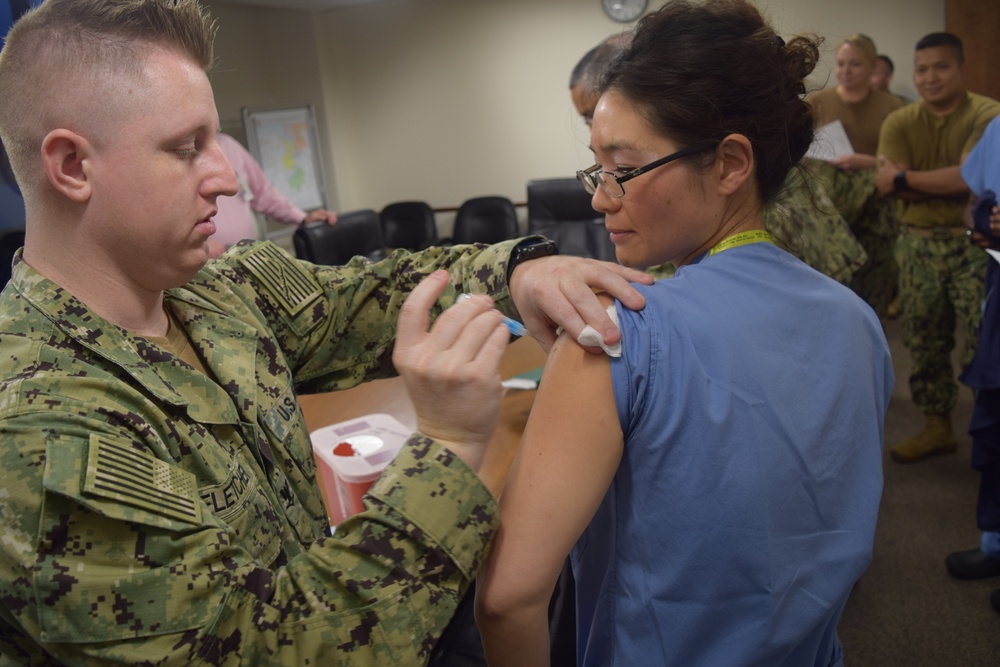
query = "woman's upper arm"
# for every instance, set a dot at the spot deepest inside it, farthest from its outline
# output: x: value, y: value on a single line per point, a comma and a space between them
x: 570, y: 452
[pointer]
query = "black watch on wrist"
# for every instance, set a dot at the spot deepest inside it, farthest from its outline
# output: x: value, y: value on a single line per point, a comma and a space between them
x: 899, y: 182
x: 532, y: 249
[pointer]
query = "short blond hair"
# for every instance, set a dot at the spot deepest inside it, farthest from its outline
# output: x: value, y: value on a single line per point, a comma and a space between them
x: 864, y: 44
x: 65, y: 64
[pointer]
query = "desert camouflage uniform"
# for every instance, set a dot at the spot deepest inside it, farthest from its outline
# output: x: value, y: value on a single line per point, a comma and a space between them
x: 156, y: 516
x: 805, y: 221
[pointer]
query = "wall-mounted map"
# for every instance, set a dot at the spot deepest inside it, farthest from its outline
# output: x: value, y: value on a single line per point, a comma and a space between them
x: 286, y: 145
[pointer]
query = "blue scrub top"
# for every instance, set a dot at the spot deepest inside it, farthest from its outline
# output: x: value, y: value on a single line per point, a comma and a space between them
x: 752, y: 393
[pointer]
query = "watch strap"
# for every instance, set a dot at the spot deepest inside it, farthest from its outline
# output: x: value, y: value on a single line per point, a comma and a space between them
x: 528, y: 250
x: 899, y: 182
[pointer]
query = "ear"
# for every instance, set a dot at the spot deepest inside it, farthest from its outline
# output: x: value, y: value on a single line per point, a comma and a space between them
x: 65, y: 158
x: 735, y: 163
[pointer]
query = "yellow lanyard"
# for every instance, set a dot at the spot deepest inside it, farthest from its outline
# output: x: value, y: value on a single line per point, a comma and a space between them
x: 743, y: 238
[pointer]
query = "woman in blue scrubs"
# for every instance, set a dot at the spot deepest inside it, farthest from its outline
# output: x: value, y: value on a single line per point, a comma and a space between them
x: 716, y: 484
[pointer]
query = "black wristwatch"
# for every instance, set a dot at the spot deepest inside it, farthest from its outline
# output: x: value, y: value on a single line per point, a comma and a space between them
x: 899, y: 182
x: 532, y: 249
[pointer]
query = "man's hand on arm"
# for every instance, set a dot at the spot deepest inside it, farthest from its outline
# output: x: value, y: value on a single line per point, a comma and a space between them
x: 452, y: 372
x: 329, y: 217
x: 854, y: 162
x: 946, y: 182
x: 559, y: 291
x: 919, y: 185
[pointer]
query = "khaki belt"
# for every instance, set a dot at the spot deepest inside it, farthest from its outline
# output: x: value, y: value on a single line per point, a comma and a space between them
x: 935, y: 232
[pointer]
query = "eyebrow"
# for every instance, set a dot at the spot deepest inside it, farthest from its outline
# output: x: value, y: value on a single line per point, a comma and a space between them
x: 616, y: 146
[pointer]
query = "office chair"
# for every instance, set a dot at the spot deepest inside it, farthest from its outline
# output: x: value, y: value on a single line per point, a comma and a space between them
x: 560, y: 209
x: 485, y: 220
x: 356, y: 233
x: 408, y: 224
x: 8, y: 246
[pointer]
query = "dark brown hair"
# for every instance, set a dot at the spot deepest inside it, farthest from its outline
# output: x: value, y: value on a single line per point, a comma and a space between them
x: 701, y: 71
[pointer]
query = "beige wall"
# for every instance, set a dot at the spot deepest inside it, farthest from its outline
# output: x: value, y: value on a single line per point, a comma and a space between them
x: 442, y: 100
x: 263, y: 58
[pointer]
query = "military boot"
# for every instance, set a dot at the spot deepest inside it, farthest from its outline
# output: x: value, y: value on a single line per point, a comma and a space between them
x: 935, y: 439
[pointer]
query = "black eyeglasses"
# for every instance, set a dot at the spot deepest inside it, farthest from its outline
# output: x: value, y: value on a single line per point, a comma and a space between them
x: 593, y: 176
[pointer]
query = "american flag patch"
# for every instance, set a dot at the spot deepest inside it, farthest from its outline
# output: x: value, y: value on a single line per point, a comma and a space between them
x: 290, y: 284
x: 136, y: 478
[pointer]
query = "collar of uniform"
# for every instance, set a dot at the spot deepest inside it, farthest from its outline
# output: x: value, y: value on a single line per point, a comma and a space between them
x: 227, y: 346
x: 105, y: 339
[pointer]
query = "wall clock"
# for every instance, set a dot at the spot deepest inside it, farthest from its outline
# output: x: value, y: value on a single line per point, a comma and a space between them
x: 624, y: 11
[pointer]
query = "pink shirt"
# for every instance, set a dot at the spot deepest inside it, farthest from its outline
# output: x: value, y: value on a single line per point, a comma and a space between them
x: 235, y: 219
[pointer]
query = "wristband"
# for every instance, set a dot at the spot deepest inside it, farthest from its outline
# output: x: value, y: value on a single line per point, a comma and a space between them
x: 899, y: 182
x: 530, y: 250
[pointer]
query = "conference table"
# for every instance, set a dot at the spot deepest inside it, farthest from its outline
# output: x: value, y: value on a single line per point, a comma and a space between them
x: 389, y: 396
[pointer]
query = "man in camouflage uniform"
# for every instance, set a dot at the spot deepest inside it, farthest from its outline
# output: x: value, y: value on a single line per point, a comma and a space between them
x: 805, y: 221
x: 159, y: 501
x: 921, y: 149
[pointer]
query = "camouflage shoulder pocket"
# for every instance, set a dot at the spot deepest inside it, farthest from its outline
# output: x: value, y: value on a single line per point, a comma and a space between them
x: 289, y: 285
x: 122, y: 548
x: 125, y: 483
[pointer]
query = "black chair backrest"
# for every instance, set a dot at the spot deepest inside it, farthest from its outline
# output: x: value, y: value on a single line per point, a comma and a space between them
x: 408, y: 224
x: 356, y: 233
x: 10, y: 241
x: 560, y: 209
x: 485, y: 220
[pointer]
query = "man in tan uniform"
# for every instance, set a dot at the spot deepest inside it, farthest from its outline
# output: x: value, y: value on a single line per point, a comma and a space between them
x: 159, y: 500
x: 921, y: 149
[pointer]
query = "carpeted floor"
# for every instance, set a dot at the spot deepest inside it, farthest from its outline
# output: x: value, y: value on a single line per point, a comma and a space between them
x: 906, y: 610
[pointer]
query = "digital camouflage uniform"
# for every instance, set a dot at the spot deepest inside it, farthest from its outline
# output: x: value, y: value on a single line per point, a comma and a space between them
x: 872, y: 221
x: 870, y: 218
x: 155, y: 516
x: 805, y: 221
x: 941, y: 273
x: 930, y: 266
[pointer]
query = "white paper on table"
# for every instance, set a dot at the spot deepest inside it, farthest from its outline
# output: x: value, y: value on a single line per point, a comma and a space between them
x: 830, y: 141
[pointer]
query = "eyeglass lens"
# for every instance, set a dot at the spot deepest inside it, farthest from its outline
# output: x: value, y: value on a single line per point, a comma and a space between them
x: 588, y: 178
